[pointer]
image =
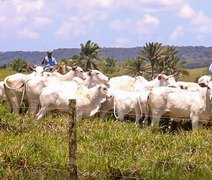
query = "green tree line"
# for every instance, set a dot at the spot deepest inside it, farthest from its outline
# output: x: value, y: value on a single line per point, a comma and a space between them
x: 153, y: 58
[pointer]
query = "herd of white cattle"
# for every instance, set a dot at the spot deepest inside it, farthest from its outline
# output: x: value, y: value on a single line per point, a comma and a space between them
x: 164, y: 96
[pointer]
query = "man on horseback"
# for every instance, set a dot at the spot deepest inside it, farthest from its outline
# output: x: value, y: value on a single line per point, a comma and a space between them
x: 49, y: 62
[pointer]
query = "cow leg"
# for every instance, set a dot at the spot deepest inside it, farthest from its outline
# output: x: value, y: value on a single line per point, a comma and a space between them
x: 43, y: 111
x: 16, y: 105
x: 145, y: 121
x: 120, y: 114
x: 138, y: 114
x: 33, y: 106
x: 105, y: 108
x: 194, y: 121
x: 155, y: 118
x: 9, y: 105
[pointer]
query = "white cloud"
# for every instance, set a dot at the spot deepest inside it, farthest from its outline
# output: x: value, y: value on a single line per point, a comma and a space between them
x: 20, y: 19
x: 118, y: 25
x: 200, y: 19
x: 71, y: 28
x: 102, y: 3
x: 177, y: 33
x: 2, y: 20
x: 26, y: 33
x: 41, y: 21
x: 143, y: 20
x: 148, y: 6
x: 151, y: 20
x: 187, y: 12
x: 28, y: 7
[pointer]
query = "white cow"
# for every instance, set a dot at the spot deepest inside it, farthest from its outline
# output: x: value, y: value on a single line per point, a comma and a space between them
x: 2, y: 93
x: 35, y: 85
x: 130, y: 84
x: 88, y: 100
x: 181, y: 104
x: 131, y: 103
x: 14, y: 88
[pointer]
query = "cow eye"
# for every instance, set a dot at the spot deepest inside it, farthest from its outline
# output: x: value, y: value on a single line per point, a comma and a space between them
x: 209, y: 88
x: 105, y: 89
x: 97, y: 73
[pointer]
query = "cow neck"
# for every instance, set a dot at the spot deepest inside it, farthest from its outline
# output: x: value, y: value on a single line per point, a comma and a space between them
x: 69, y: 75
x: 93, y: 93
x: 89, y: 82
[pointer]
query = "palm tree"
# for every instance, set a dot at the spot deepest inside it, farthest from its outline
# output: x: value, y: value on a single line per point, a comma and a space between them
x: 89, y: 54
x: 110, y: 65
x: 138, y: 67
x: 170, y: 63
x: 177, y: 66
x: 18, y: 65
x: 151, y: 52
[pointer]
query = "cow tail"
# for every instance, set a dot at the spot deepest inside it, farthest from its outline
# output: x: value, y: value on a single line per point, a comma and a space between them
x: 7, y: 95
x: 139, y: 104
x: 148, y: 106
x: 10, y: 88
x: 114, y: 108
x: 23, y: 94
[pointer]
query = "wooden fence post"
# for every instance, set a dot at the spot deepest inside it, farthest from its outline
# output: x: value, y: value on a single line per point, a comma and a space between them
x: 72, y: 140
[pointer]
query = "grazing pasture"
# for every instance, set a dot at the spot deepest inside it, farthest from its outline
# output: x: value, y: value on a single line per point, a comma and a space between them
x: 106, y: 149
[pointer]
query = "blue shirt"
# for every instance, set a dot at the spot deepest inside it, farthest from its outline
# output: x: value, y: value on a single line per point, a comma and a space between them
x: 50, y: 61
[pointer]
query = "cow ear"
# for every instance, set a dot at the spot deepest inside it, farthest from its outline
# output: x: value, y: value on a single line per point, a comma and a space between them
x: 177, y: 76
x: 30, y: 68
x: 74, y: 68
x: 160, y: 77
x: 89, y: 73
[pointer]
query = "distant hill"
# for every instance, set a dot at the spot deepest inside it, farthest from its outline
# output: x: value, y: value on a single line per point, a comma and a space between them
x: 195, y: 56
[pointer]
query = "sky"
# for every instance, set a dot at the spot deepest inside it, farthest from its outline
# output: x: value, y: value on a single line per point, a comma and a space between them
x: 41, y: 25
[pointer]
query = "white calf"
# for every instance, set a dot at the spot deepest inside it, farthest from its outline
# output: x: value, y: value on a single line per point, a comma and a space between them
x: 88, y: 101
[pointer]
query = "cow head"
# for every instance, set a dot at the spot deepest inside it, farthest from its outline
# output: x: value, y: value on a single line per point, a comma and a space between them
x: 36, y: 70
x: 105, y: 91
x: 98, y: 77
x: 78, y: 72
x: 163, y: 79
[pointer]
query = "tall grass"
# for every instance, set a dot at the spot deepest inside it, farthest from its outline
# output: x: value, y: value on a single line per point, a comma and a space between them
x: 105, y: 150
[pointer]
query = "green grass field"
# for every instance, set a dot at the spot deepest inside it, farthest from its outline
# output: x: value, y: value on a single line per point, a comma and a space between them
x: 194, y: 74
x: 105, y: 149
